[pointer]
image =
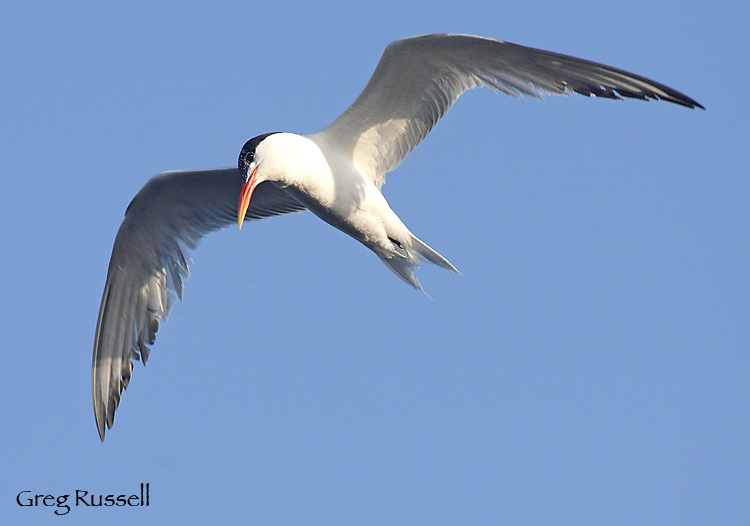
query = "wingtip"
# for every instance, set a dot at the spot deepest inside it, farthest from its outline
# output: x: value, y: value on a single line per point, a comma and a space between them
x: 685, y: 101
x: 101, y: 423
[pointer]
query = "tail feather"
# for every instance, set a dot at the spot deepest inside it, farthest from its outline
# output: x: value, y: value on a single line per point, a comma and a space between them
x: 406, y: 259
x: 403, y: 268
x: 427, y: 254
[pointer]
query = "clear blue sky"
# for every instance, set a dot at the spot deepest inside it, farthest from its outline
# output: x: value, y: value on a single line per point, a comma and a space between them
x: 589, y: 366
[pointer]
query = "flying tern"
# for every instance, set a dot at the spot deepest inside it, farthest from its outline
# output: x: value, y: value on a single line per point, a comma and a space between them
x: 336, y: 173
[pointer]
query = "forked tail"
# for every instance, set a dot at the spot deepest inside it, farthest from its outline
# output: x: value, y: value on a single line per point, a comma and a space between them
x: 406, y: 259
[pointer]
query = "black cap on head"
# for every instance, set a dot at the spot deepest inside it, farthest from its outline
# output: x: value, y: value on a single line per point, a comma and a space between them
x: 248, y: 154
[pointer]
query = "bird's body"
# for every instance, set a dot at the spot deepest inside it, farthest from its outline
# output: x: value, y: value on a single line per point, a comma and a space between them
x: 336, y: 173
x: 323, y: 179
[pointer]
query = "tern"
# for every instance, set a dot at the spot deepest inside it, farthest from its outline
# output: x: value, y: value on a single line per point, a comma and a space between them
x: 336, y: 173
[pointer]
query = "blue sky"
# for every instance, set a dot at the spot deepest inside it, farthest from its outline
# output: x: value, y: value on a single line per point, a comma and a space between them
x: 589, y: 366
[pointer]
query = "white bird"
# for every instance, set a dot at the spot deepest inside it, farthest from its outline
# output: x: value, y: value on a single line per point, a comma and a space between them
x: 336, y: 173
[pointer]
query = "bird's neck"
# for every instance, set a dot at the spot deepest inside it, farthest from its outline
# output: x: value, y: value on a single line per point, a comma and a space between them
x: 297, y: 161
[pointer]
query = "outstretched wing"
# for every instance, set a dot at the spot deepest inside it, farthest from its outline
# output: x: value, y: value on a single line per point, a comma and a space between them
x: 165, y: 220
x: 418, y: 79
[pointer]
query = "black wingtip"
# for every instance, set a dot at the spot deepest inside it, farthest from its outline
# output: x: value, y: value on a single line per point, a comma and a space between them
x: 683, y: 100
x: 100, y: 427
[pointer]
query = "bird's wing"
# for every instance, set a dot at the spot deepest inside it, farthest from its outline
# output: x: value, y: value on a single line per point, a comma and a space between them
x: 418, y: 79
x: 166, y: 219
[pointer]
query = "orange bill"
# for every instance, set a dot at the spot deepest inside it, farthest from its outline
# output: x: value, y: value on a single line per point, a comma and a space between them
x: 247, y: 193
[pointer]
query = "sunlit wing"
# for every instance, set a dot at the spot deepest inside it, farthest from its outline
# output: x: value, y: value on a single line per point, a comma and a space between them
x: 418, y: 79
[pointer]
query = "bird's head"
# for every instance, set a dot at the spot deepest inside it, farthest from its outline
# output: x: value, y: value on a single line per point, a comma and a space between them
x: 248, y: 166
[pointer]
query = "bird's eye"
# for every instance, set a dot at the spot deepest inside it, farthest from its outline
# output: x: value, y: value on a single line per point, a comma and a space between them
x: 246, y: 157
